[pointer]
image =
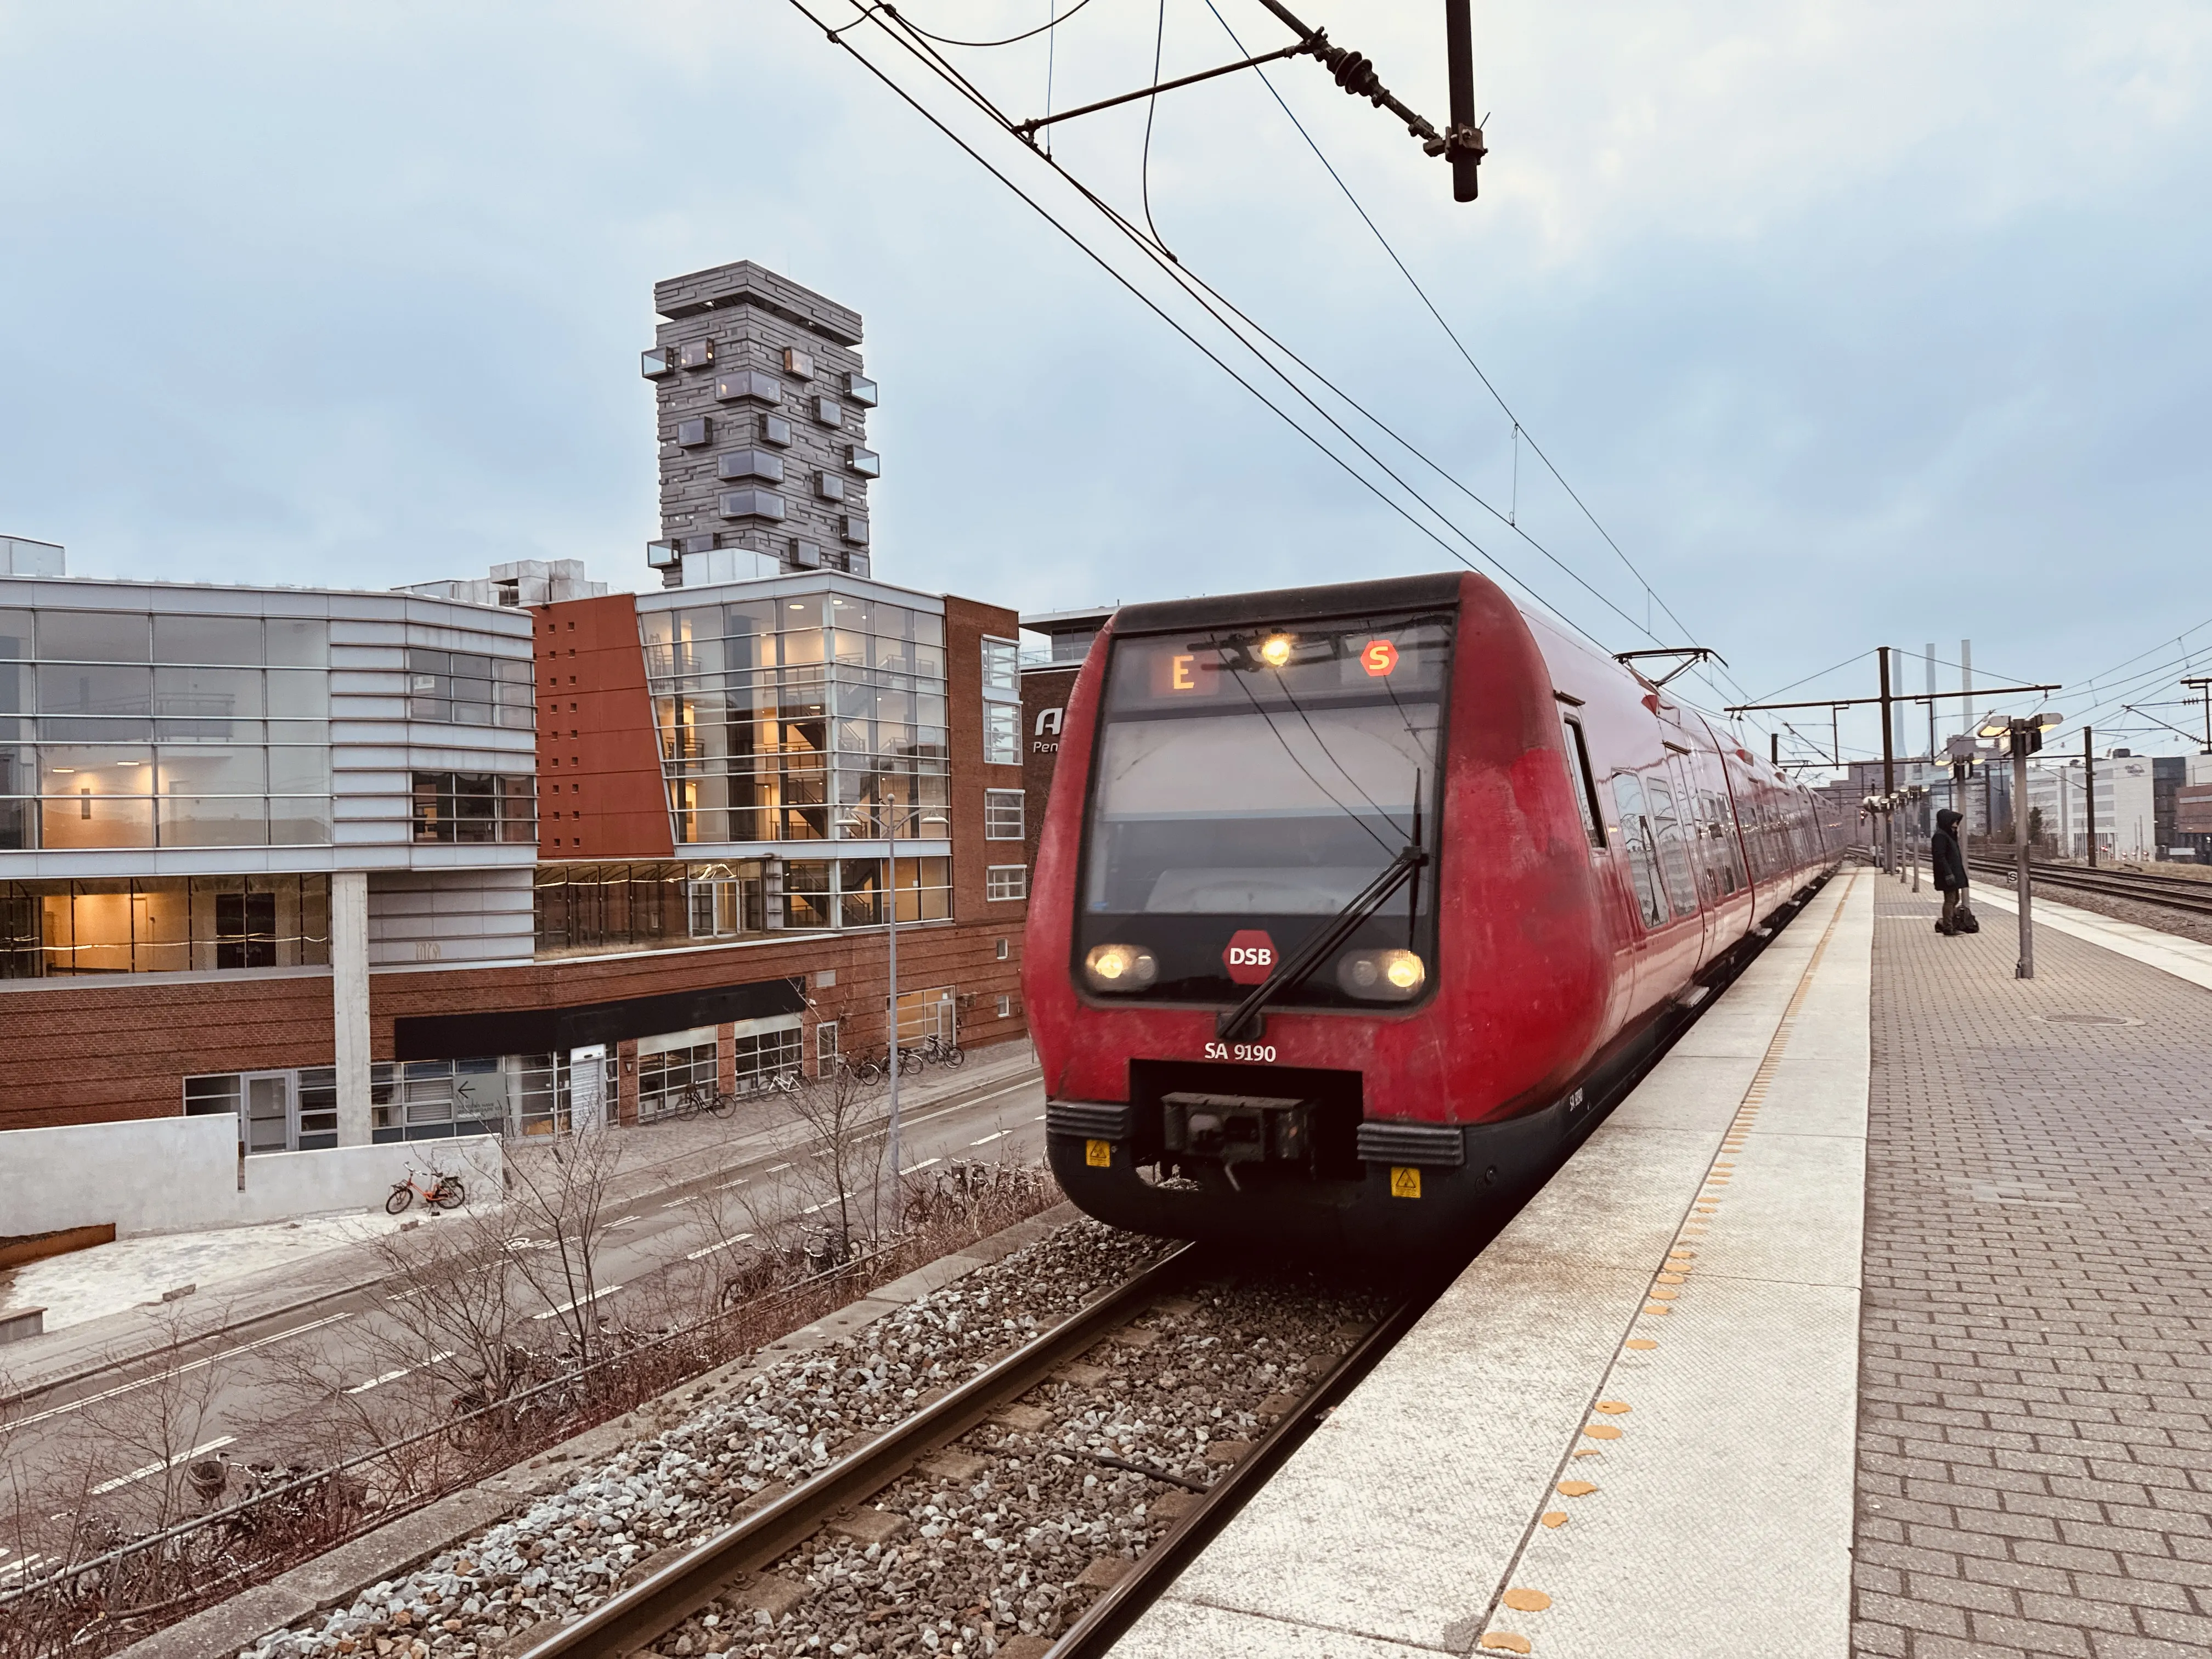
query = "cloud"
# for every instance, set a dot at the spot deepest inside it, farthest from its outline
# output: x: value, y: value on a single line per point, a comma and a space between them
x: 1854, y: 325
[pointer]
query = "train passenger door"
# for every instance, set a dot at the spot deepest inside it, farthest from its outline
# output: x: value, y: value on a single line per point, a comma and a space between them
x: 1668, y: 811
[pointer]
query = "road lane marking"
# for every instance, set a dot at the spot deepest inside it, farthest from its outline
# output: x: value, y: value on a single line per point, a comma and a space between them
x: 404, y: 1370
x: 570, y: 1307
x: 624, y: 1222
x: 987, y: 1140
x: 193, y: 1365
x: 693, y: 1255
x: 215, y: 1445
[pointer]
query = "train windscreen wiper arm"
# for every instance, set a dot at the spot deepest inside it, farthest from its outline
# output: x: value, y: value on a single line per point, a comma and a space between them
x: 1243, y: 1019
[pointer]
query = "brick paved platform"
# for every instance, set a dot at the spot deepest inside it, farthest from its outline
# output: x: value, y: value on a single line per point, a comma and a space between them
x: 2035, y: 1417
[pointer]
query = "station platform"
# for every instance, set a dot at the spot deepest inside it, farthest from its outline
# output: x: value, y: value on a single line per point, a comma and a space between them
x: 1876, y: 1320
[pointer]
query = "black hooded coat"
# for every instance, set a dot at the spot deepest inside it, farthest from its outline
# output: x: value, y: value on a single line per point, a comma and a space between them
x: 1945, y: 860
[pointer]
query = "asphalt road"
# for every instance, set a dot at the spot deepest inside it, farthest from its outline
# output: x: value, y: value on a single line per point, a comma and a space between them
x: 249, y: 1376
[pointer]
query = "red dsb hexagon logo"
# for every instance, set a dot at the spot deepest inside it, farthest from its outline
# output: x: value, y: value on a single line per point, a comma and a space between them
x: 1380, y: 657
x: 1249, y: 956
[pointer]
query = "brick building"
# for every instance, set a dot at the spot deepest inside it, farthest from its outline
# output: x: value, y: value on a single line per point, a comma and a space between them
x: 483, y: 853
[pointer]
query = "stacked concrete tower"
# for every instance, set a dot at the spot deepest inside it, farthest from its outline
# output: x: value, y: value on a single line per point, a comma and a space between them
x: 762, y: 418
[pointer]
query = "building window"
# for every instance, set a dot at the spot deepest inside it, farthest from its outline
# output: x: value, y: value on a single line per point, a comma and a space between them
x: 853, y: 529
x: 664, y: 1075
x: 728, y: 900
x: 772, y: 1047
x: 1005, y: 949
x: 1002, y: 815
x: 811, y: 717
x: 696, y: 354
x: 466, y: 688
x: 1002, y: 668
x: 1006, y: 881
x: 750, y: 464
x: 159, y: 925
x: 644, y: 906
x: 1005, y: 1006
x: 657, y: 362
x: 829, y: 487
x: 437, y: 1099
x: 748, y: 383
x: 696, y: 432
x: 474, y: 806
x: 168, y: 730
x: 864, y: 461
x: 774, y: 429
x: 829, y: 411
x: 825, y: 1048
x: 1002, y: 733
x: 749, y: 504
x: 798, y: 363
x: 861, y: 390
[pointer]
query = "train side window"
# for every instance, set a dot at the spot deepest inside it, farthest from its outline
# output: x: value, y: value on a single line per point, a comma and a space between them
x: 1636, y: 837
x: 1681, y: 886
x: 1582, y: 781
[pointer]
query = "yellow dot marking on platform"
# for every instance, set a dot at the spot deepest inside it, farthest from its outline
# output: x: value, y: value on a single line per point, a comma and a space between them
x: 1601, y: 1432
x: 1098, y: 1154
x: 1677, y: 1253
x: 1554, y: 1517
x: 1507, y: 1640
x: 1577, y: 1488
x: 1526, y: 1601
x: 1589, y: 1451
x: 1642, y: 1344
x: 1405, y: 1182
x: 1664, y: 1293
x: 1614, y: 1408
x: 1657, y: 1308
x: 1672, y: 1278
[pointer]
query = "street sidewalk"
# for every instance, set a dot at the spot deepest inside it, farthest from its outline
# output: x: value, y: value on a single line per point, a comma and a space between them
x: 104, y: 1304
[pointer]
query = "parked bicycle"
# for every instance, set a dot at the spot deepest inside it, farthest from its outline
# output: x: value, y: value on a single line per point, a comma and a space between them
x: 753, y: 1084
x: 938, y: 1050
x: 439, y: 1191
x: 699, y: 1098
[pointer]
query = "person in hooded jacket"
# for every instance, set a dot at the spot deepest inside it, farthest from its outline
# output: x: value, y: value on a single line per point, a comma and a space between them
x: 1949, y: 864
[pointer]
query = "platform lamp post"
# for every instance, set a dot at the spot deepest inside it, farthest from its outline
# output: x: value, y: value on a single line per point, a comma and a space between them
x: 895, y: 817
x: 2020, y: 737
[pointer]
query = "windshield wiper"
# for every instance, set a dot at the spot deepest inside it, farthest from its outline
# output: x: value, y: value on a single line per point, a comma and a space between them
x: 1244, y: 1020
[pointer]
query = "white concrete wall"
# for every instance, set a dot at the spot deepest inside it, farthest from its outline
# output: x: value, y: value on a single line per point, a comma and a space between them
x: 181, y: 1174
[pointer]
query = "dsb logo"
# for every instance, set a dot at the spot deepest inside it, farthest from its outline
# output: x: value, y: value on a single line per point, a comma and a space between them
x: 1249, y: 956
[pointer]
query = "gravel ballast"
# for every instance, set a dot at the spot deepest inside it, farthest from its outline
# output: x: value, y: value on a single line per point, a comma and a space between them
x: 564, y: 1554
x: 1012, y: 1535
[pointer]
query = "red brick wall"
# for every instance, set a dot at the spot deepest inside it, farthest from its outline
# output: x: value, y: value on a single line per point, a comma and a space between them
x: 79, y: 1054
x: 599, y: 793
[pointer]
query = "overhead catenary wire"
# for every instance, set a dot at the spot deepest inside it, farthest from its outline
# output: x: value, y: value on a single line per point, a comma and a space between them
x: 1220, y: 310
x: 1011, y: 39
x: 1216, y: 304
x: 836, y: 37
x: 1521, y: 432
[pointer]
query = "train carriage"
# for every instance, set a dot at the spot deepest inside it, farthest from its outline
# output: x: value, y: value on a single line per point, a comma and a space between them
x: 1355, y: 906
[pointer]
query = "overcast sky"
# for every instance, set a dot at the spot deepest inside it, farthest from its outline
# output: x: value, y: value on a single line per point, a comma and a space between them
x: 1853, y: 325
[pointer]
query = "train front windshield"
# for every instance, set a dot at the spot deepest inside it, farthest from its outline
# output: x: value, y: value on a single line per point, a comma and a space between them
x: 1248, y: 783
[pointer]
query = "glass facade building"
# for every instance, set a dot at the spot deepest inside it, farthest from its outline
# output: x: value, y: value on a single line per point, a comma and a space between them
x: 136, y: 729
x: 812, y: 716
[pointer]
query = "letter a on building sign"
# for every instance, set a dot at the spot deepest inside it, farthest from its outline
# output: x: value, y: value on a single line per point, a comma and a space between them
x: 1378, y: 659
x: 1249, y: 956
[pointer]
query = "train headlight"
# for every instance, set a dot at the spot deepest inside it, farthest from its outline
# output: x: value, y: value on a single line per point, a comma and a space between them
x: 1276, y: 651
x: 1120, y: 968
x: 1383, y: 976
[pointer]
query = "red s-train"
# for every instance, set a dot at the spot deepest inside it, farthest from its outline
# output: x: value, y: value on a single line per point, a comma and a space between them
x: 1355, y: 906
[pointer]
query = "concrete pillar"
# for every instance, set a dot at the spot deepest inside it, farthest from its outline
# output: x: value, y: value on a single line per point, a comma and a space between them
x: 349, y: 1001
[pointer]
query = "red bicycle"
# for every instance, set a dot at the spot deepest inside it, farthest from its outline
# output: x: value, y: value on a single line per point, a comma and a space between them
x: 443, y: 1192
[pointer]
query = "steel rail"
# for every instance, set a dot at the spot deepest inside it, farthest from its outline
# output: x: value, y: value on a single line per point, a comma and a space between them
x: 2174, y: 892
x: 633, y: 1618
x: 1108, y: 1619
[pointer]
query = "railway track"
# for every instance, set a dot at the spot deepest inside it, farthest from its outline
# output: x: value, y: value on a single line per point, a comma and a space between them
x: 2174, y: 892
x: 879, y: 1513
